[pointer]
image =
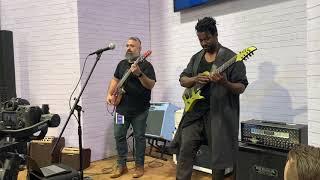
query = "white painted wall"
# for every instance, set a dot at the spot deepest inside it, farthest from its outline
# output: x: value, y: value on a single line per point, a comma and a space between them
x: 52, y: 39
x: 102, y: 22
x: 277, y: 72
x: 46, y: 47
x: 313, y: 64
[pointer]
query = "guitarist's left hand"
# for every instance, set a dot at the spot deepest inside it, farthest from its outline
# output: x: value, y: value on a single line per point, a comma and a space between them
x: 218, y: 78
x: 135, y: 69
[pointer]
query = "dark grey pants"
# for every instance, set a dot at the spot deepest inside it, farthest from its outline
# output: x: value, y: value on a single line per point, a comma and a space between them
x: 138, y: 123
x: 192, y: 137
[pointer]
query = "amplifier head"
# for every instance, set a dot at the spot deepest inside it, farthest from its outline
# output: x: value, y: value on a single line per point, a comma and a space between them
x: 278, y: 135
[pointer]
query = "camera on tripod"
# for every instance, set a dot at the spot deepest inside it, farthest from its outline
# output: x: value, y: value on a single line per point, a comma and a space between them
x: 18, y: 114
x: 19, y: 124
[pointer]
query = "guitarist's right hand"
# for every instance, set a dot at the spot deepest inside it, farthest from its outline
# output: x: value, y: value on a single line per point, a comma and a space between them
x: 189, y: 82
x: 201, y: 79
x: 109, y: 99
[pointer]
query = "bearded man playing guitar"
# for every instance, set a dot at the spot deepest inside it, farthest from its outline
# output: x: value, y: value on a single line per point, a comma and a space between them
x: 214, y: 118
x: 130, y: 91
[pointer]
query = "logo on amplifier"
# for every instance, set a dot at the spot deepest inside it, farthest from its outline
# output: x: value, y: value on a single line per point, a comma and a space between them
x: 265, y: 171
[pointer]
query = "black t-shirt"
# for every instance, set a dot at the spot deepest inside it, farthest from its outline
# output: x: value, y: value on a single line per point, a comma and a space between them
x: 136, y: 98
x: 203, y: 105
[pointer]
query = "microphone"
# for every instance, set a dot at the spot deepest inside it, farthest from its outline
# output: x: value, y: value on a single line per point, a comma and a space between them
x: 110, y: 47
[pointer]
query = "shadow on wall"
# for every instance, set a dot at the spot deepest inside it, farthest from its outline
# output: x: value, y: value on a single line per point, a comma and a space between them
x: 265, y: 99
x: 222, y: 7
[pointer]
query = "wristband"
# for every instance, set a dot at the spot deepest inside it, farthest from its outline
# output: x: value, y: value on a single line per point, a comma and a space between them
x: 140, y: 75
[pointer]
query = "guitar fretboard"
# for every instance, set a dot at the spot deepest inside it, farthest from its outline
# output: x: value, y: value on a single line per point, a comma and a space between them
x: 123, y: 79
x: 226, y: 65
x: 127, y: 74
x: 219, y: 70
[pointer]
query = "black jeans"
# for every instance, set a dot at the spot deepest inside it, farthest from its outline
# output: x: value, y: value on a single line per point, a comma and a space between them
x: 191, y: 139
x: 138, y: 123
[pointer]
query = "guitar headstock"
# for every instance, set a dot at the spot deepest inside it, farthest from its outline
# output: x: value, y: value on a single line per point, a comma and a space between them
x: 244, y: 54
x: 147, y: 53
x: 144, y: 56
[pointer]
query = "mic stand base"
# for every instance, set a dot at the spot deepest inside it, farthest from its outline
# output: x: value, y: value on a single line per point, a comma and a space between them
x: 79, y: 109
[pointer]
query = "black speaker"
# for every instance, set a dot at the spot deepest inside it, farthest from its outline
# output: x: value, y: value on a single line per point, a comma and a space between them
x: 257, y: 163
x: 7, y: 72
x: 203, y: 157
x: 202, y: 160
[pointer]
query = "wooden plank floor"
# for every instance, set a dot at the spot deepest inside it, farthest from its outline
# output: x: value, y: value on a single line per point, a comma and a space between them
x: 155, y: 169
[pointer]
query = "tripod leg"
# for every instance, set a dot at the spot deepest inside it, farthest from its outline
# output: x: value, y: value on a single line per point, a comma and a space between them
x: 10, y: 168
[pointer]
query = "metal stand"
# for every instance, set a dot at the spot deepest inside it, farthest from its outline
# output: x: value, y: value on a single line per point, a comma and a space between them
x: 78, y: 109
x: 153, y: 142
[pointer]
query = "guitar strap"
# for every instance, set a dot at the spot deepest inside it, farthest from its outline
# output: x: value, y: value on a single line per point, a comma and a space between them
x: 220, y: 54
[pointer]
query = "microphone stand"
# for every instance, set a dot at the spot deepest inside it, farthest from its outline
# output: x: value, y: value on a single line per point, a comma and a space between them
x: 78, y: 109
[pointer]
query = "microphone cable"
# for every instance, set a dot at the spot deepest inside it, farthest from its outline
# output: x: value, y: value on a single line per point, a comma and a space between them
x: 84, y: 65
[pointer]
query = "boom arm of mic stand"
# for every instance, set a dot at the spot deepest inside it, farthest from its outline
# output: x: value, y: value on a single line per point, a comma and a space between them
x: 74, y: 107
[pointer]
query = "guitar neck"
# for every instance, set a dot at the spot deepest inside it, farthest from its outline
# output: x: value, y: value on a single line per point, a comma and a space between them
x: 123, y: 79
x: 219, y: 70
x: 125, y: 76
x: 225, y: 65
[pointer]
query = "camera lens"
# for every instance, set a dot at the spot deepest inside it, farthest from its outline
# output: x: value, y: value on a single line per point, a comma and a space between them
x: 45, y: 108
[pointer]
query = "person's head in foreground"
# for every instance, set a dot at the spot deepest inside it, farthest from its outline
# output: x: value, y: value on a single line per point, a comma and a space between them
x: 303, y: 163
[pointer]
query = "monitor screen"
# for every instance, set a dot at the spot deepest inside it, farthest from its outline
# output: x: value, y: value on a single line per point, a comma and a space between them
x: 185, y: 4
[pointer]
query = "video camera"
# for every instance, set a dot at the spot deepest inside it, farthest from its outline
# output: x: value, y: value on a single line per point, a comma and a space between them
x: 19, y: 122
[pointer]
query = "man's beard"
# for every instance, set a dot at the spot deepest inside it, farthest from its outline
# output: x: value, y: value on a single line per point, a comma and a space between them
x: 131, y: 56
x: 211, y: 48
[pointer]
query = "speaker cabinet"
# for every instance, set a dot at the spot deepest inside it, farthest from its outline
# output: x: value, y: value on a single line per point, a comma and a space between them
x: 7, y: 71
x: 256, y: 163
x: 202, y: 160
x: 40, y: 150
x: 160, y: 121
x: 71, y: 156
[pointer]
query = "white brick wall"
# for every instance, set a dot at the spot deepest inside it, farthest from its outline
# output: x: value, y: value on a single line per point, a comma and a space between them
x: 46, y: 53
x: 102, y: 22
x: 52, y: 39
x: 277, y: 71
x: 313, y: 52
